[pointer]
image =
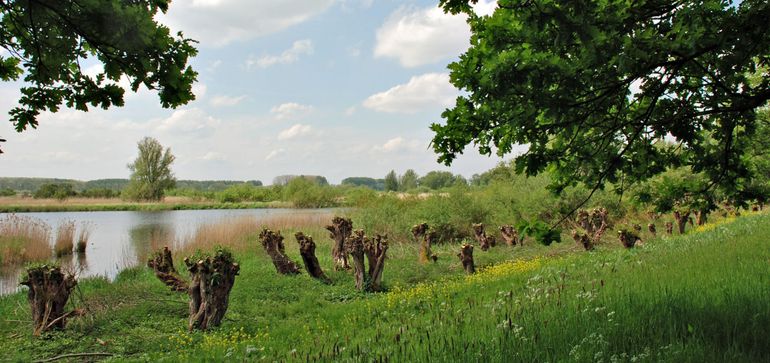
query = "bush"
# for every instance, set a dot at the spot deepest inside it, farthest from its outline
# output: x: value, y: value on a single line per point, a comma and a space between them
x: 246, y: 192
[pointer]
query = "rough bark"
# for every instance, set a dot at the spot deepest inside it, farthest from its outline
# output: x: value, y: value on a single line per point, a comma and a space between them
x: 273, y: 244
x: 212, y: 280
x: 681, y: 220
x: 591, y: 227
x: 354, y: 245
x: 466, y: 257
x: 509, y: 234
x: 339, y: 231
x: 375, y: 254
x: 669, y: 228
x: 49, y: 290
x: 651, y: 228
x: 482, y: 238
x: 163, y: 265
x: 425, y: 237
x: 628, y: 238
x: 701, y: 216
x: 307, y: 250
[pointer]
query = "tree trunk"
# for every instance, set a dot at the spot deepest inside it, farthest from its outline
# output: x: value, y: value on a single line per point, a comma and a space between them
x: 592, y: 227
x: 481, y: 237
x: 375, y: 252
x: 340, y: 230
x: 273, y: 244
x: 701, y: 216
x: 354, y: 245
x: 163, y: 265
x: 307, y: 250
x: 681, y: 220
x: 212, y: 280
x: 628, y: 238
x: 669, y: 228
x: 425, y: 237
x: 510, y: 235
x: 651, y: 228
x: 582, y: 240
x: 49, y: 290
x: 466, y: 257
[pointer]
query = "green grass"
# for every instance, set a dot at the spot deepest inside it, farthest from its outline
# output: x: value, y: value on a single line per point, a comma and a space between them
x: 702, y: 297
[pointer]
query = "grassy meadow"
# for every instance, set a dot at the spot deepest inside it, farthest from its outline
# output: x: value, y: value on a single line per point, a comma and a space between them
x: 701, y: 297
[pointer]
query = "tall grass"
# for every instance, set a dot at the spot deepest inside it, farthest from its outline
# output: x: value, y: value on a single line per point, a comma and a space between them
x: 23, y: 239
x: 239, y: 234
x: 65, y: 238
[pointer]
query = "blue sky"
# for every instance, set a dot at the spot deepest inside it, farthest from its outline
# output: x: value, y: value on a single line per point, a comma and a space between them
x: 331, y: 87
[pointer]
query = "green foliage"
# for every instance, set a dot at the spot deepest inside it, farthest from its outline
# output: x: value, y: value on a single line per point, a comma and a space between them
x: 151, y: 172
x: 391, y: 182
x: 592, y: 87
x: 7, y: 192
x: 376, y: 184
x: 99, y: 193
x: 48, y: 42
x: 246, y: 192
x: 57, y: 191
x: 285, y: 179
x: 408, y: 181
x: 309, y: 193
x: 440, y: 179
x: 540, y: 231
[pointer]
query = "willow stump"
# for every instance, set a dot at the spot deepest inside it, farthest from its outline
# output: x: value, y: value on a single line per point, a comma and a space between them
x: 628, y: 238
x: 212, y: 280
x: 466, y: 257
x: 482, y: 238
x: 339, y: 231
x: 669, y: 228
x: 273, y: 244
x: 510, y: 235
x: 49, y: 290
x: 590, y: 227
x: 163, y: 265
x: 307, y: 250
x: 651, y: 228
x: 681, y: 220
x: 354, y: 245
x: 425, y: 237
x: 375, y: 254
x: 582, y: 240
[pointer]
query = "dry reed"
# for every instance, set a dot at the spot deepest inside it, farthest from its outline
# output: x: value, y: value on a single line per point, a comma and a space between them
x: 239, y: 233
x: 83, y: 237
x: 65, y: 238
x: 23, y: 239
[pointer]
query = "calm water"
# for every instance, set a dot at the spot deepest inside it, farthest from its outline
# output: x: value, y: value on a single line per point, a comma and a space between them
x: 119, y: 239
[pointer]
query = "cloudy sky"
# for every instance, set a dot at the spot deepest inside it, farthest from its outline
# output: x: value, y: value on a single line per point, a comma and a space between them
x: 330, y: 87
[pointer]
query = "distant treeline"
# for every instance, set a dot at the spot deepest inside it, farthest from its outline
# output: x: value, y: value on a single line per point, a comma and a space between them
x: 32, y: 185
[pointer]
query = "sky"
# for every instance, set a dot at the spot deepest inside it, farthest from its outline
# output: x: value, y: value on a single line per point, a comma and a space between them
x: 337, y: 88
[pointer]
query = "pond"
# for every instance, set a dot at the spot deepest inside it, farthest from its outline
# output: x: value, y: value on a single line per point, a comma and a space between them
x: 119, y: 240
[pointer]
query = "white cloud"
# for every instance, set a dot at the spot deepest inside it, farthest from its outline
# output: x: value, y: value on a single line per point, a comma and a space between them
x: 188, y: 120
x: 226, y: 101
x: 398, y: 144
x: 199, y: 90
x: 290, y: 110
x: 350, y: 111
x: 275, y: 153
x: 221, y: 22
x: 420, y: 93
x: 423, y: 36
x: 291, y: 55
x: 294, y: 131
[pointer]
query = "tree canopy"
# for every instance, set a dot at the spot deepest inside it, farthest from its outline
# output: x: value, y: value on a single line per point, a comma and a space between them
x: 598, y: 89
x: 151, y: 172
x: 49, y: 41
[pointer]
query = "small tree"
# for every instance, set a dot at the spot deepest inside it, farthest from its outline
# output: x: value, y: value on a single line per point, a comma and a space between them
x: 151, y: 172
x: 408, y: 181
x: 391, y: 181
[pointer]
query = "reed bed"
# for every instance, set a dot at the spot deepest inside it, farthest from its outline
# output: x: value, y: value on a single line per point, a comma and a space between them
x: 23, y: 239
x: 240, y: 233
x: 83, y: 237
x: 65, y: 238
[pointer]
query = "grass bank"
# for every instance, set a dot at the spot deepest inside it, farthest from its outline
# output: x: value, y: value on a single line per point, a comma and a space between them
x: 702, y: 297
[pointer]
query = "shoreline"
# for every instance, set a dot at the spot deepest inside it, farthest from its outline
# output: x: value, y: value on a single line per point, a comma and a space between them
x: 127, y: 206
